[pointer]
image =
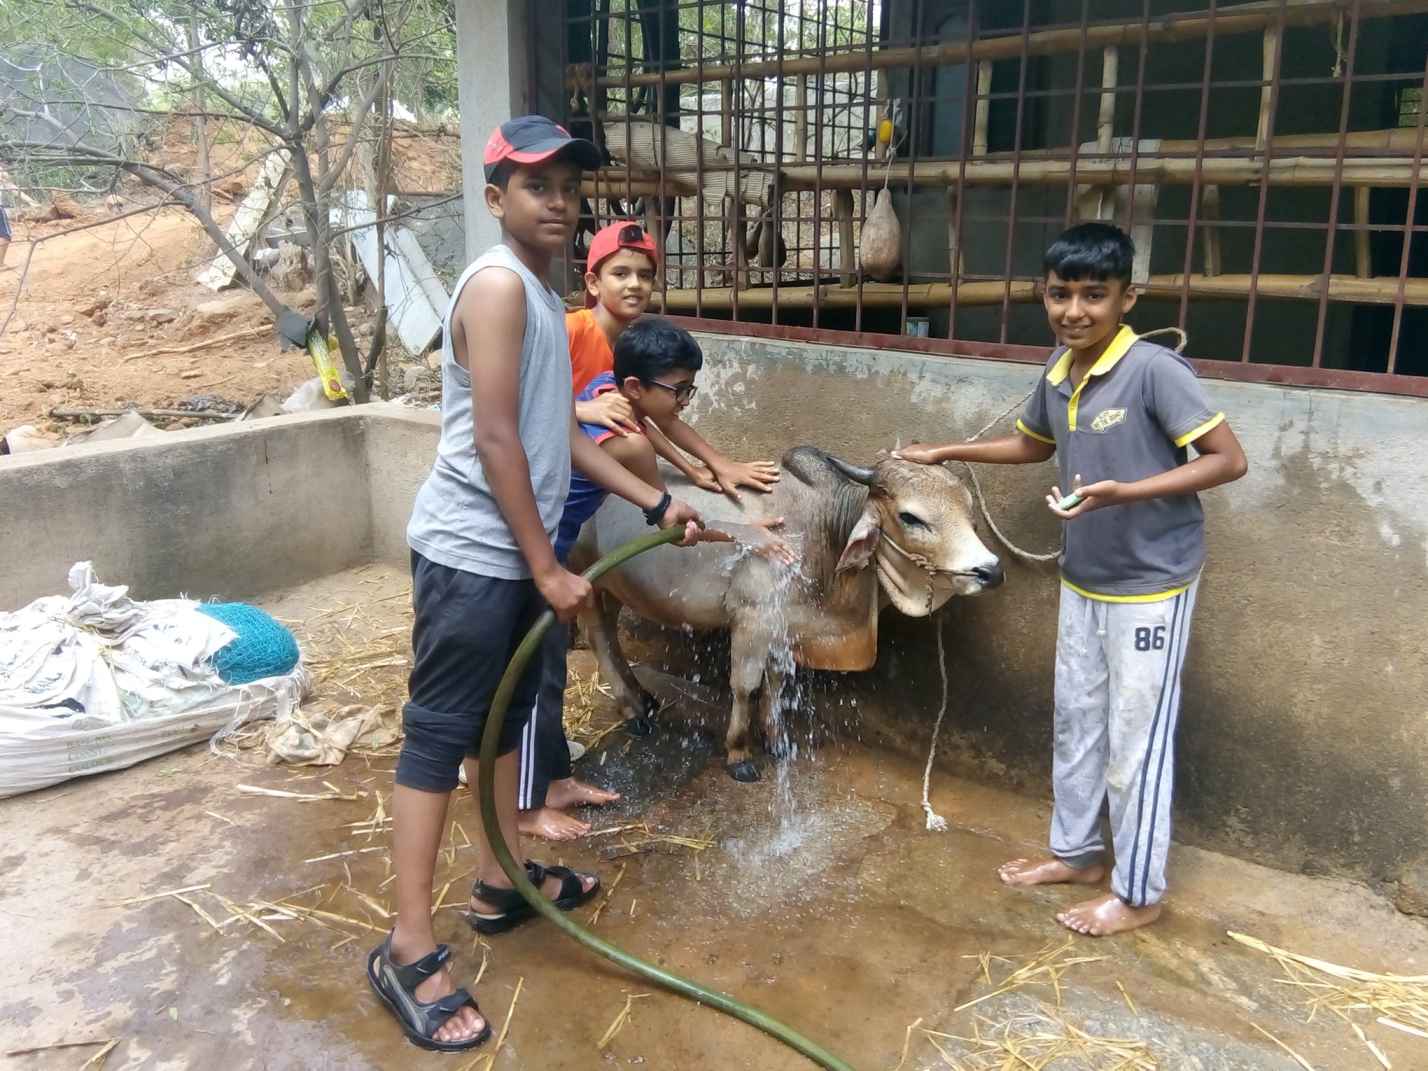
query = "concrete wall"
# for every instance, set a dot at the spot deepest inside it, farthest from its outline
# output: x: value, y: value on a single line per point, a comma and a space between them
x: 1304, y: 741
x: 400, y: 447
x: 227, y: 512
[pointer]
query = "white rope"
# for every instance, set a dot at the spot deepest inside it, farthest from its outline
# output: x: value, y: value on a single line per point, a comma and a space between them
x: 1020, y: 552
x: 935, y: 822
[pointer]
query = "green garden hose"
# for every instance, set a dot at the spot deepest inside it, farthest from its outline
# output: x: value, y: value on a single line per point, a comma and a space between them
x: 516, y: 872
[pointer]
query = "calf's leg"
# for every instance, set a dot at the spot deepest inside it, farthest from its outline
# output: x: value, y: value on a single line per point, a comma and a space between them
x: 748, y: 657
x: 771, y: 713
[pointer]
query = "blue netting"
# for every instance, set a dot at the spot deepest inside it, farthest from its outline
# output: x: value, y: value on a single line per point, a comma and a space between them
x: 263, y: 648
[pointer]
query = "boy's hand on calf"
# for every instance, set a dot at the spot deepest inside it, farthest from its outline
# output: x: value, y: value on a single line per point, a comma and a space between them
x: 757, y: 475
x: 567, y: 593
x: 705, y: 480
x: 918, y: 453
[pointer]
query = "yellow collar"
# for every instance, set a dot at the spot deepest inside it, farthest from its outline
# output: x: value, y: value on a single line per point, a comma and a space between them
x: 1124, y: 340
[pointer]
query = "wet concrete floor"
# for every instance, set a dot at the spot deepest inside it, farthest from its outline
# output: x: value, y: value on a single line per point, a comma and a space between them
x: 821, y: 899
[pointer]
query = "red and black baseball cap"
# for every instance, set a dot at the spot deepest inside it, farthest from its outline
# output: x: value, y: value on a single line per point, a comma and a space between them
x: 610, y: 239
x: 534, y: 139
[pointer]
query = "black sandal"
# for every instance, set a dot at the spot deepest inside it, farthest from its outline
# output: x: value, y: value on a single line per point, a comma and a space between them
x: 514, y: 909
x: 395, y: 986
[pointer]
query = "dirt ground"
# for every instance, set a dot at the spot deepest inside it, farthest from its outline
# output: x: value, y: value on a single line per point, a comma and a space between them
x: 94, y: 303
x: 816, y: 895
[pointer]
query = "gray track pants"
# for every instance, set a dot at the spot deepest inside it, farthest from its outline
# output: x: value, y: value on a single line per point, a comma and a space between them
x: 1117, y: 702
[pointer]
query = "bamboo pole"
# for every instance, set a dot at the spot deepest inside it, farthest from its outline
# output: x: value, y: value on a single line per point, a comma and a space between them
x: 1363, y: 262
x: 1396, y: 140
x: 1272, y: 53
x: 1209, y: 216
x: 1091, y: 200
x: 1106, y: 116
x: 726, y: 112
x: 611, y: 183
x: 847, y: 254
x: 800, y: 119
x: 1299, y: 171
x: 1112, y: 171
x: 984, y: 108
x: 1240, y: 19
x: 888, y: 295
x: 955, y: 263
x: 1391, y: 141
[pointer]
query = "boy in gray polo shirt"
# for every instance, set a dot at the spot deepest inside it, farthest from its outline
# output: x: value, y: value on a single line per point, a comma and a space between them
x: 1122, y: 412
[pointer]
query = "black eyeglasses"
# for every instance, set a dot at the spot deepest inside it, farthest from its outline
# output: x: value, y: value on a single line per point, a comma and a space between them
x: 632, y: 234
x: 682, y: 393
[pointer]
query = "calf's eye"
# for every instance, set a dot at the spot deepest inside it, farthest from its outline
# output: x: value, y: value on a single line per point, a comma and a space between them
x: 911, y: 520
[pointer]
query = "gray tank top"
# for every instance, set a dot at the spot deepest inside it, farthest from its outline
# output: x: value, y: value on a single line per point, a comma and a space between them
x: 455, y: 521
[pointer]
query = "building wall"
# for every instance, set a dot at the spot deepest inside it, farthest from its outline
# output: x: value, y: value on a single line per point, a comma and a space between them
x: 1303, y: 739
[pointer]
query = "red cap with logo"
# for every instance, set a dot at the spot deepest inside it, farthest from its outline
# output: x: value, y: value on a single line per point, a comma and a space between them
x: 610, y: 239
x: 534, y: 139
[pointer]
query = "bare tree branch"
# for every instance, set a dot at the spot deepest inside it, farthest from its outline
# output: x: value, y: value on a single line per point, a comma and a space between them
x: 358, y: 124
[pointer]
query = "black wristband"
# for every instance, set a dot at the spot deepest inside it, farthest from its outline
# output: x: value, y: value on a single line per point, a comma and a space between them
x: 656, y: 513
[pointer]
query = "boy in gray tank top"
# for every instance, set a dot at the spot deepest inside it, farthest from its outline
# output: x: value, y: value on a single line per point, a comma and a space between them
x: 483, y: 567
x: 1123, y: 412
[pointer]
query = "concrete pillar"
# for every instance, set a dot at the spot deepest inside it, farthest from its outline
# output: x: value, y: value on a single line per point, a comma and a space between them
x: 492, y: 62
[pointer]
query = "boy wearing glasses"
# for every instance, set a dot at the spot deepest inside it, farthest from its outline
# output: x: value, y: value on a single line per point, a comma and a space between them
x: 654, y: 365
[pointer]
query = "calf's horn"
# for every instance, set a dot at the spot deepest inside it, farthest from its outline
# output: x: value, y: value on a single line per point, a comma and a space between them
x: 853, y: 472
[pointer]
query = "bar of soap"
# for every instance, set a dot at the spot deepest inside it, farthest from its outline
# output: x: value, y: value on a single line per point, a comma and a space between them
x: 1070, y: 502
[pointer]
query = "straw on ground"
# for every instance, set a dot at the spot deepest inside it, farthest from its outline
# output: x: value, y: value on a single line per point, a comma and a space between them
x: 1399, y: 1001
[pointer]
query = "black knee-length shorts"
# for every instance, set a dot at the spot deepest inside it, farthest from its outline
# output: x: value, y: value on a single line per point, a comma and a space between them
x: 465, y: 630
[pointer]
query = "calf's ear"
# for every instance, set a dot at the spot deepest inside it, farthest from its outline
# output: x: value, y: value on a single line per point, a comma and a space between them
x: 862, y: 541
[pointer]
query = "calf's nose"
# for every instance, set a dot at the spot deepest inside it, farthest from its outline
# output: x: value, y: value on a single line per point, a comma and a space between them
x: 990, y: 575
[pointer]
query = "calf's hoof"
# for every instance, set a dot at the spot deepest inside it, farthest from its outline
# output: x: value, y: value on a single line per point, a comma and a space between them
x: 644, y: 725
x: 744, y: 771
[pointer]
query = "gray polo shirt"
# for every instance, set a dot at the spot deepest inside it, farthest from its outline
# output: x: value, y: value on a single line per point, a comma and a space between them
x: 1133, y: 416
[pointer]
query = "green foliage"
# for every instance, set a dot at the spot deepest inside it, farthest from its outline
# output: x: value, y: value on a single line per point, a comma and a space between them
x: 144, y: 43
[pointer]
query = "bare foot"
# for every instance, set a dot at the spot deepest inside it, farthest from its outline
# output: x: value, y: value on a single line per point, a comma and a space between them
x: 1049, y: 872
x: 550, y: 824
x: 466, y: 1023
x: 1106, y: 915
x: 569, y: 792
